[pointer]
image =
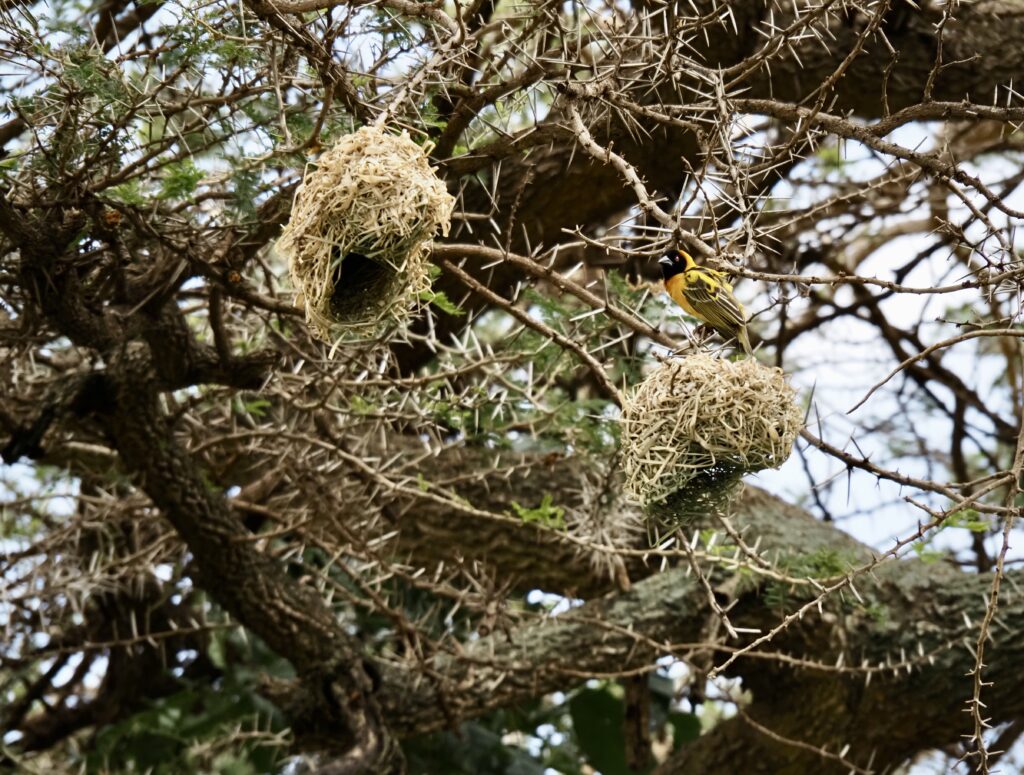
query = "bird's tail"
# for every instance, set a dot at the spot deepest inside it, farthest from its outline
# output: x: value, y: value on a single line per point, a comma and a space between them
x: 744, y: 340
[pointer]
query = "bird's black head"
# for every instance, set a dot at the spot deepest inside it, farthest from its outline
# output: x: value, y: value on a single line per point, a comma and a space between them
x: 672, y: 263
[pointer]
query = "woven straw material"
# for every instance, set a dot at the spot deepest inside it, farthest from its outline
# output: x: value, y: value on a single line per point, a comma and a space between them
x: 697, y: 425
x: 358, y: 239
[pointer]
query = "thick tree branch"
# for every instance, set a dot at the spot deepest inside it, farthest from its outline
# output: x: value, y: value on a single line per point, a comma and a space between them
x: 902, y: 638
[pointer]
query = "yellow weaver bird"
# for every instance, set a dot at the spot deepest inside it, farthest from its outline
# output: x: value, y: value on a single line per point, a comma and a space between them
x: 705, y: 294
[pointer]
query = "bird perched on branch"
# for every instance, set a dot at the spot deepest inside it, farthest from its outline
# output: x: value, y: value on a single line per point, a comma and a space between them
x: 705, y: 294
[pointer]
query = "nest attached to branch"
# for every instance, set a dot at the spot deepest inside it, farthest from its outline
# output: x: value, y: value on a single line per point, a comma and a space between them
x: 358, y: 239
x: 697, y: 425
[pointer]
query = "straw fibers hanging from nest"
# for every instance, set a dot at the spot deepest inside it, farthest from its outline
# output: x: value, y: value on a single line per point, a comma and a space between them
x: 359, y: 235
x: 696, y: 426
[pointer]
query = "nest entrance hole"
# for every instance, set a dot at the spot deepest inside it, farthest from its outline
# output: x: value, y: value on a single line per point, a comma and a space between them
x: 709, y: 491
x: 359, y: 284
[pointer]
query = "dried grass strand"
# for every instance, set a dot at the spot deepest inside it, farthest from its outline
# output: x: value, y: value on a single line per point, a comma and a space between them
x: 698, y: 424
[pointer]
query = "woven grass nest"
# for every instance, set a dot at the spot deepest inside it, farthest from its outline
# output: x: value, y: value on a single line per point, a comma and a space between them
x: 358, y: 238
x: 697, y: 425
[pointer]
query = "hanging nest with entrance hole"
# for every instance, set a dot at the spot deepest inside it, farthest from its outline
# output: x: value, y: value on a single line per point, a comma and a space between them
x: 697, y: 425
x: 358, y: 239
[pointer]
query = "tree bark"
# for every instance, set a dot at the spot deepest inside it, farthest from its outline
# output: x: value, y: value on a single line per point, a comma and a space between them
x: 911, y: 626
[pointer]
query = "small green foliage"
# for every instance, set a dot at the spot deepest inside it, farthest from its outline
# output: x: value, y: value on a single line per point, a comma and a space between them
x: 969, y: 519
x: 244, y: 189
x: 822, y: 564
x: 567, y: 409
x: 89, y: 74
x: 440, y: 300
x: 234, y: 51
x: 546, y: 514
x: 431, y: 112
x: 186, y: 731
x: 185, y: 42
x: 831, y: 157
x: 127, y: 193
x: 879, y: 613
x: 825, y: 563
x: 598, y: 719
x: 256, y: 408
x: 299, y: 124
x: 359, y: 405
x: 927, y: 554
x: 459, y: 415
x: 180, y: 180
x: 966, y: 519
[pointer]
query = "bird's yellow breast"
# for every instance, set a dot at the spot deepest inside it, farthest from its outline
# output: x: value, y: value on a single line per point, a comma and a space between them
x: 674, y: 286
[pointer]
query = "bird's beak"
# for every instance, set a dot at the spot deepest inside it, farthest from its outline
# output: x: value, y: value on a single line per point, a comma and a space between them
x: 665, y: 261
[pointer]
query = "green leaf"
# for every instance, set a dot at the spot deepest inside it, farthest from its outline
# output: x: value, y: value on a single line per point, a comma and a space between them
x: 546, y: 513
x: 685, y: 728
x: 969, y: 519
x: 244, y: 189
x: 598, y: 717
x: 440, y: 300
x: 360, y: 405
x: 180, y: 180
x: 127, y: 193
x: 926, y: 554
x: 257, y: 408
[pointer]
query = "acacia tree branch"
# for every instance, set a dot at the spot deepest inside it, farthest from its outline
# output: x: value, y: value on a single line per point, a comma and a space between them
x: 902, y: 650
x: 591, y: 363
x: 293, y: 619
x: 338, y: 711
x: 547, y: 181
x: 539, y: 270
